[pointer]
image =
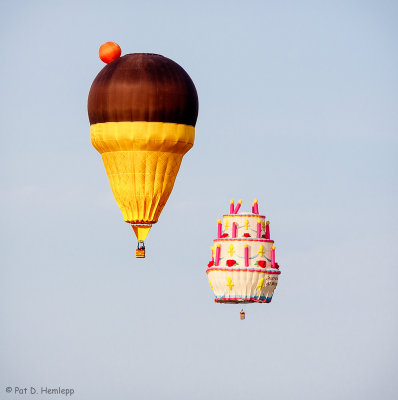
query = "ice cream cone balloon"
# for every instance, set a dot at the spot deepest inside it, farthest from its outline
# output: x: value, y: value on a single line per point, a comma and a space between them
x: 142, y: 110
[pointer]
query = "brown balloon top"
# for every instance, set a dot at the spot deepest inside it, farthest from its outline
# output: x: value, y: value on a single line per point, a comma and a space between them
x: 143, y: 87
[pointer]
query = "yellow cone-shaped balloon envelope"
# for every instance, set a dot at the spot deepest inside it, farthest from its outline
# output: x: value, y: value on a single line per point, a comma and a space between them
x: 142, y: 110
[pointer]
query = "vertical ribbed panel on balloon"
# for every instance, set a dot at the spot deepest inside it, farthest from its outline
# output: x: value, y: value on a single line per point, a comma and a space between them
x: 142, y: 160
x: 141, y: 181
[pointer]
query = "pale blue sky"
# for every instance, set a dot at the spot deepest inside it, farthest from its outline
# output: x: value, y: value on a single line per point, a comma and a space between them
x: 298, y: 107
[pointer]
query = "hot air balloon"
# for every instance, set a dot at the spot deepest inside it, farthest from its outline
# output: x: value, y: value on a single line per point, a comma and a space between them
x: 243, y: 268
x: 142, y: 110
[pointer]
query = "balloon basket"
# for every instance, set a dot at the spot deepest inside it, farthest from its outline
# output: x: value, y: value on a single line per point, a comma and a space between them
x: 140, y: 253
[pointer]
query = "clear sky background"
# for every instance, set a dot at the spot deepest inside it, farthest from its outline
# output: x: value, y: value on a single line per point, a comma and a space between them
x: 298, y: 107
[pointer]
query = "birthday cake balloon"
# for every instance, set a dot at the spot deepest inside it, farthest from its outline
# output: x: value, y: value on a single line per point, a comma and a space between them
x: 243, y: 267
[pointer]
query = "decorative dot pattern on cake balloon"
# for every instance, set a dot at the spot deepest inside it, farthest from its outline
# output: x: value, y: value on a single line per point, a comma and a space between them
x: 243, y: 267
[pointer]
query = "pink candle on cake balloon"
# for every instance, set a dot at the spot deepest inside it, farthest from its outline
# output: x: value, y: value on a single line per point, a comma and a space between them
x: 219, y: 228
x: 255, y: 207
x: 273, y: 257
x: 234, y: 229
x: 267, y: 233
x: 217, y: 260
x: 238, y: 207
x: 259, y: 228
x: 246, y: 255
x: 231, y: 207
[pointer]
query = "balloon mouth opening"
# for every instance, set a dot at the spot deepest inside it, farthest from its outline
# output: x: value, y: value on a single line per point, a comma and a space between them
x: 239, y: 300
x: 144, y: 224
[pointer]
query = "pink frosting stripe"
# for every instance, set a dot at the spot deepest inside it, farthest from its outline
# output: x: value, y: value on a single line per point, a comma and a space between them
x: 243, y: 239
x: 261, y: 271
x: 243, y: 215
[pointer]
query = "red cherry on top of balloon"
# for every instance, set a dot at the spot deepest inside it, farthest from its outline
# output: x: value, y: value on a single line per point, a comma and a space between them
x: 109, y: 51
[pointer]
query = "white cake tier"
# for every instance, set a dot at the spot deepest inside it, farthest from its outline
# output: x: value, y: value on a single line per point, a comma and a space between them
x: 234, y: 249
x: 246, y: 224
x: 242, y: 286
